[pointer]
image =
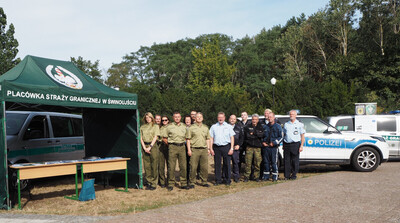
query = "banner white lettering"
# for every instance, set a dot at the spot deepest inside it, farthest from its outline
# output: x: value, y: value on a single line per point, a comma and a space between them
x: 70, y: 98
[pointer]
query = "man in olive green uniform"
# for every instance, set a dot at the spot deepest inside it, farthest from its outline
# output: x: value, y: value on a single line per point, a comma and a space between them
x: 163, y: 156
x: 198, y: 144
x: 174, y: 136
x: 149, y: 134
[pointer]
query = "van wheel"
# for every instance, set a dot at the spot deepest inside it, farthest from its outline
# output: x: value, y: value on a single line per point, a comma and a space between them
x: 366, y: 159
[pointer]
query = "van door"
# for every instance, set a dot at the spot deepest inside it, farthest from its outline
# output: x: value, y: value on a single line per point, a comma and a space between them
x: 68, y: 135
x: 36, y: 143
x: 387, y: 127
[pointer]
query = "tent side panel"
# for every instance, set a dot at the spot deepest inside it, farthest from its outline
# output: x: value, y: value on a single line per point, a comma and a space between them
x: 3, y: 159
x: 113, y: 133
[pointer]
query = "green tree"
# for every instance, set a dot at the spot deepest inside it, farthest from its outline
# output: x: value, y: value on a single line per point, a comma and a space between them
x: 257, y: 61
x: 341, y: 19
x: 318, y: 44
x: 375, y: 24
x: 91, y: 69
x: 211, y: 68
x: 210, y: 82
x: 118, y: 76
x: 8, y: 45
x: 345, y: 53
x: 292, y: 45
x: 394, y: 6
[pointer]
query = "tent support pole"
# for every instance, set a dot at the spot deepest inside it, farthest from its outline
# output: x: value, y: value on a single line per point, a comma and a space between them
x: 19, y: 191
x: 3, y: 124
x: 139, y: 151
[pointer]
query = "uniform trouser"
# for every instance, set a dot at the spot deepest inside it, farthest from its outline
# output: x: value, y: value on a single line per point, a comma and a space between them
x: 253, y: 153
x: 241, y: 156
x: 188, y: 170
x: 150, y: 163
x: 221, y: 152
x: 199, y: 158
x: 262, y: 165
x: 177, y: 153
x: 163, y: 163
x: 270, y: 157
x: 235, y: 164
x: 291, y: 156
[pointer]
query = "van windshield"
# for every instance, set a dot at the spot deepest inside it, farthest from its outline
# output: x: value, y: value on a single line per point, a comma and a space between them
x: 14, y: 122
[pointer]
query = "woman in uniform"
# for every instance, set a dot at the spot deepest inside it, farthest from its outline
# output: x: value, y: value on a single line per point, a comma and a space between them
x: 149, y: 133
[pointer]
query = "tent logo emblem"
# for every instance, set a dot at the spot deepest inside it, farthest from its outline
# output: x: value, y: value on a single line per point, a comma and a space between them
x: 64, y: 77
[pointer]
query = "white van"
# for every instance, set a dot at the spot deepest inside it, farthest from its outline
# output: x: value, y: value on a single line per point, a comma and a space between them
x: 43, y: 136
x: 386, y: 126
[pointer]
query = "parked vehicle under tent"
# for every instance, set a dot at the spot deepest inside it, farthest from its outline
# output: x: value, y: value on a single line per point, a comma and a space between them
x: 110, y: 117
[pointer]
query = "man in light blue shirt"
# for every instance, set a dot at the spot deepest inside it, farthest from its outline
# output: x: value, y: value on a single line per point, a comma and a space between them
x: 293, y: 142
x: 222, y: 140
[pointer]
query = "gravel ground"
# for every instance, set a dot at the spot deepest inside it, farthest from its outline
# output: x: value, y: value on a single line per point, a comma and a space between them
x: 340, y: 196
x: 33, y: 218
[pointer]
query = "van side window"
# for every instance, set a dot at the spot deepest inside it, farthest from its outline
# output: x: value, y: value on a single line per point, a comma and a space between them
x: 346, y: 124
x: 386, y: 124
x: 78, y: 127
x: 14, y: 123
x: 62, y: 126
x: 37, y: 128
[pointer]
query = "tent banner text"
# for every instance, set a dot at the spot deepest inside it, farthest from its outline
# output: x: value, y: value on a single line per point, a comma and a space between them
x: 70, y: 98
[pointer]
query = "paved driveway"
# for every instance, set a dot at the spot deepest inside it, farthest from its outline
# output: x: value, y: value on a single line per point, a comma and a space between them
x: 342, y: 196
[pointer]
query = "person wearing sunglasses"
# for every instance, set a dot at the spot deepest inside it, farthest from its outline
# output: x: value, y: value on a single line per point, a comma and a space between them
x: 163, y: 155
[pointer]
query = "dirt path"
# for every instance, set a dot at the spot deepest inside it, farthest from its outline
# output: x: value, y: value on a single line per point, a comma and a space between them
x: 342, y: 196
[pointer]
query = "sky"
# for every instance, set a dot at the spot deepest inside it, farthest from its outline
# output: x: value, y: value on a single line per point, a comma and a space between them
x: 108, y: 30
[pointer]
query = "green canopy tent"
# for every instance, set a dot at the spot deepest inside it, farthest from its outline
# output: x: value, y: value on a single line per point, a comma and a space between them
x: 110, y: 117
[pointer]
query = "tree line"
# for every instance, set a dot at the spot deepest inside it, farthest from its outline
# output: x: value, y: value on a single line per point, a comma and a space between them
x: 345, y: 53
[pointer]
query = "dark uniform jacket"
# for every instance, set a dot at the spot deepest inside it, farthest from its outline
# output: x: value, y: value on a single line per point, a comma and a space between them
x: 255, y: 139
x: 276, y: 121
x: 238, y: 134
x: 240, y: 124
x: 273, y: 133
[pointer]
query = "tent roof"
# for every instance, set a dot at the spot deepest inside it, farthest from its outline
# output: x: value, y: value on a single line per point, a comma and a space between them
x: 37, y: 80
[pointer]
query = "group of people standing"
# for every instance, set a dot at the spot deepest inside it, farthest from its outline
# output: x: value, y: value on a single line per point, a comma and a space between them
x: 190, y: 143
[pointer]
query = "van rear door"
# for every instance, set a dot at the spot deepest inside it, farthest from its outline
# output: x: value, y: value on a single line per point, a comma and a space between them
x: 387, y: 126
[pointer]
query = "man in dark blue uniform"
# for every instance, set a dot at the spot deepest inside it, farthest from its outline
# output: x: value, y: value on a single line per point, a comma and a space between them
x: 242, y: 149
x: 238, y: 143
x: 272, y: 140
